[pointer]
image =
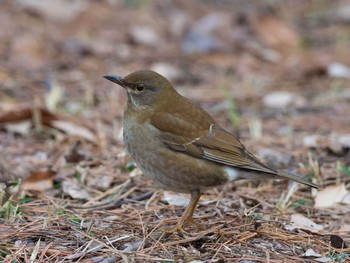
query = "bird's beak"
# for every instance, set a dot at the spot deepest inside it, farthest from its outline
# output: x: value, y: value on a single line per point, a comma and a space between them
x: 115, y: 79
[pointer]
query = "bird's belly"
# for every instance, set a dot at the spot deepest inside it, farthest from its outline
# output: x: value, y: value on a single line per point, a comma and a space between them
x: 172, y: 170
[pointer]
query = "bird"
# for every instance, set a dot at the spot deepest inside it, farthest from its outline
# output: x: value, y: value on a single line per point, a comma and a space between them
x: 179, y: 145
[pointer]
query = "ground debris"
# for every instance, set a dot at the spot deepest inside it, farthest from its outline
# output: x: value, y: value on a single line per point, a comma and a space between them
x: 277, y: 76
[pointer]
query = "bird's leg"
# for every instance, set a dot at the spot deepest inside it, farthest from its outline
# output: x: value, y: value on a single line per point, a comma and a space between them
x: 186, y: 218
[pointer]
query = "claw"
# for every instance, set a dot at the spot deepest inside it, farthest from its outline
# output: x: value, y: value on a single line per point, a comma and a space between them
x: 186, y: 219
x: 179, y: 228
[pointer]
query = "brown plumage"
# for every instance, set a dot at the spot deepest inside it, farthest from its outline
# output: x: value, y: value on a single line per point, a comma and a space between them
x: 179, y: 145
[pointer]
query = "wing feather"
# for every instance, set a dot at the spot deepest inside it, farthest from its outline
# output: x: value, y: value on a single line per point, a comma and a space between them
x: 205, y: 140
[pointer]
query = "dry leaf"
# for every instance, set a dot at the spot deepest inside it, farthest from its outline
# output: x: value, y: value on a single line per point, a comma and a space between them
x: 22, y: 113
x: 311, y: 253
x: 299, y: 221
x: 175, y: 199
x: 74, y: 129
x: 75, y: 190
x: 275, y: 33
x: 39, y: 180
x: 35, y: 252
x: 331, y: 195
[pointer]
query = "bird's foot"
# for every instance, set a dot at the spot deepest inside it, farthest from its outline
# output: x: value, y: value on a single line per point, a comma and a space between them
x: 179, y: 227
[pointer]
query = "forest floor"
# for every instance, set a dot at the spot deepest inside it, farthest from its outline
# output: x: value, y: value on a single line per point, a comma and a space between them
x: 274, y: 73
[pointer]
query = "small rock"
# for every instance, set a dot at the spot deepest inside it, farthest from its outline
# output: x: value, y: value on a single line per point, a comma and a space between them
x: 282, y: 99
x: 18, y: 243
x: 338, y: 70
x: 178, y: 21
x: 144, y: 35
x: 56, y: 10
x: 201, y: 37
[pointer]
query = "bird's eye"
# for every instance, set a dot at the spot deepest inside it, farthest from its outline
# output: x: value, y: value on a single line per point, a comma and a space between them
x: 140, y: 87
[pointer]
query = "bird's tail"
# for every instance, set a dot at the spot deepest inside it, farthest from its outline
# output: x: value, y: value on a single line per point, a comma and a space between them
x: 296, y: 178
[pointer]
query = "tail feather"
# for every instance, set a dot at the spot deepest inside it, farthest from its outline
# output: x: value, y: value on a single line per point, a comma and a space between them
x: 296, y: 178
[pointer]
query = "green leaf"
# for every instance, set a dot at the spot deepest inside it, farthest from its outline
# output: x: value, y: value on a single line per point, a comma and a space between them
x: 25, y: 200
x: 343, y: 168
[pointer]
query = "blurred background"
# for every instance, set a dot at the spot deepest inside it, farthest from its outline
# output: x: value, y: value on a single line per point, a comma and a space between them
x: 252, y: 64
x: 212, y: 51
x: 275, y: 73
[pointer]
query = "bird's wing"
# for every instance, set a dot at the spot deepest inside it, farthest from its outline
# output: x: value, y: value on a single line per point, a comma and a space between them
x: 209, y: 141
x: 205, y: 140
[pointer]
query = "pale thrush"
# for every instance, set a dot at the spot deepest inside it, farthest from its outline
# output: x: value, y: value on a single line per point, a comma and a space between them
x: 179, y: 145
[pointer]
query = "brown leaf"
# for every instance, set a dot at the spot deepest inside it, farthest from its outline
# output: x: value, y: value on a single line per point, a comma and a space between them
x: 23, y: 113
x: 275, y: 33
x: 39, y: 180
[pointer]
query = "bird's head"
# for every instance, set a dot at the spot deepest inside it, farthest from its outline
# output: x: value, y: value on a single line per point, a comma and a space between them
x: 146, y: 89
